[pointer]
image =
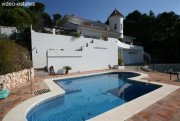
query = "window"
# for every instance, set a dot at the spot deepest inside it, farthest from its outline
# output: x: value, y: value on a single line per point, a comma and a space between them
x: 115, y: 26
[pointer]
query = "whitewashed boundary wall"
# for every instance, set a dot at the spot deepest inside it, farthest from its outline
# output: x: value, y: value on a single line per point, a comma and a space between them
x: 98, y: 55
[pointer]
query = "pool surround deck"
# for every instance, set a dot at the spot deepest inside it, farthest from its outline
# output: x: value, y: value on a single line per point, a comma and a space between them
x: 127, y: 110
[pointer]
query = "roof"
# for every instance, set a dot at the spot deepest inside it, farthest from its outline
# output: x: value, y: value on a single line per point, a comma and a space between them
x: 94, y: 22
x: 116, y: 13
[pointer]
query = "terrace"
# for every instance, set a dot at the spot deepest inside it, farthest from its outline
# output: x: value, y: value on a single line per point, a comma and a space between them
x: 167, y: 108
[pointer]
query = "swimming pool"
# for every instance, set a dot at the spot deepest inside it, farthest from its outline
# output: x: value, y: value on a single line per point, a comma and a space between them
x: 89, y: 96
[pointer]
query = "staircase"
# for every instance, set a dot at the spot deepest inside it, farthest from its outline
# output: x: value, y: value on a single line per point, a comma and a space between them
x: 40, y: 73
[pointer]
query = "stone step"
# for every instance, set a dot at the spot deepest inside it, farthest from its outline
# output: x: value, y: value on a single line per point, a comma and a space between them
x: 40, y: 73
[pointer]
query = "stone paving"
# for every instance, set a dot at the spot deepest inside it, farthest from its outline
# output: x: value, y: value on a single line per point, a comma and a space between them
x: 18, y: 95
x: 166, y: 109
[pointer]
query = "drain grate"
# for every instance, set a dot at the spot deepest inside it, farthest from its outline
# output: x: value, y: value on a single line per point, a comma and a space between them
x: 38, y: 92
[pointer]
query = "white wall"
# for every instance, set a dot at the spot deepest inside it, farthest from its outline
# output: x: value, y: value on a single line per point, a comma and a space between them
x: 44, y: 41
x: 7, y: 30
x: 97, y: 55
x: 116, y: 20
x: 131, y: 56
x: 90, y: 55
x: 89, y: 32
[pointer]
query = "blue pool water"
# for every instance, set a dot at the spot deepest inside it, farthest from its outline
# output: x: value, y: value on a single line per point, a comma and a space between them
x: 87, y: 97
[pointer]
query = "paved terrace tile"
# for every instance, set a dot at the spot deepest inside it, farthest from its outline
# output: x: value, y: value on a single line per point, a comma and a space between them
x: 166, y: 109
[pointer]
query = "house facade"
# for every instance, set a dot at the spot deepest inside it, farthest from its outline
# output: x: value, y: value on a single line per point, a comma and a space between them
x: 90, y: 51
x: 94, y: 29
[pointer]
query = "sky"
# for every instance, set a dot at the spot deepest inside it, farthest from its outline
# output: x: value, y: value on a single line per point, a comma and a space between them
x: 101, y: 9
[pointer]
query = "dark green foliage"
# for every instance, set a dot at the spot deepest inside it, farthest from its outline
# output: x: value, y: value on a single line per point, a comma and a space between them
x: 74, y: 34
x: 158, y: 34
x: 151, y: 14
x: 22, y: 18
x: 120, y: 39
x: 104, y: 37
x: 57, y: 19
x: 24, y: 38
x: 46, y: 20
x: 67, y: 68
x: 13, y: 57
x: 39, y: 7
x: 16, y: 16
x: 71, y: 32
x: 120, y: 61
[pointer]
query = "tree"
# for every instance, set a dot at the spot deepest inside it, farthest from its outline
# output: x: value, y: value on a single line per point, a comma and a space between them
x: 166, y: 22
x: 57, y: 19
x: 46, y: 20
x: 39, y: 7
x: 16, y: 16
x: 132, y: 24
x: 151, y: 14
x: 159, y: 35
x: 39, y: 17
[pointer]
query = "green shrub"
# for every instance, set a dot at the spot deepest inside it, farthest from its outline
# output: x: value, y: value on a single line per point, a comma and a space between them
x: 74, y: 34
x: 13, y: 57
x: 120, y: 39
x: 67, y: 68
x: 120, y: 61
x: 104, y: 37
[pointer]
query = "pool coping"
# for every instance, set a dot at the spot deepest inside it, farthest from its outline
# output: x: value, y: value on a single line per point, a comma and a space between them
x: 119, y: 113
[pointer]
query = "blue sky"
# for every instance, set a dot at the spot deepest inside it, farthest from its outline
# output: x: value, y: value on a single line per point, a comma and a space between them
x: 101, y: 9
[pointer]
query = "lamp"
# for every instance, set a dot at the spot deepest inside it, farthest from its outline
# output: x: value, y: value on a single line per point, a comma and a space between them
x: 34, y: 48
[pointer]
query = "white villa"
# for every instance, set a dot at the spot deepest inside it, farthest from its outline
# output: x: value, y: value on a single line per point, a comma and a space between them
x: 89, y: 51
x: 88, y: 28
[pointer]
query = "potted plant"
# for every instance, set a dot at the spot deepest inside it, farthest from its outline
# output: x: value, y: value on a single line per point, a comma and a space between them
x: 67, y: 68
x: 104, y: 37
x: 1, y: 86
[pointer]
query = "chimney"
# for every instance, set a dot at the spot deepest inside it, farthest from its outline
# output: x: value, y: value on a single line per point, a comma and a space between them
x: 54, y: 31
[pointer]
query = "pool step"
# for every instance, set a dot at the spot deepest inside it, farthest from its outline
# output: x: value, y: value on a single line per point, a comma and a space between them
x: 38, y: 92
